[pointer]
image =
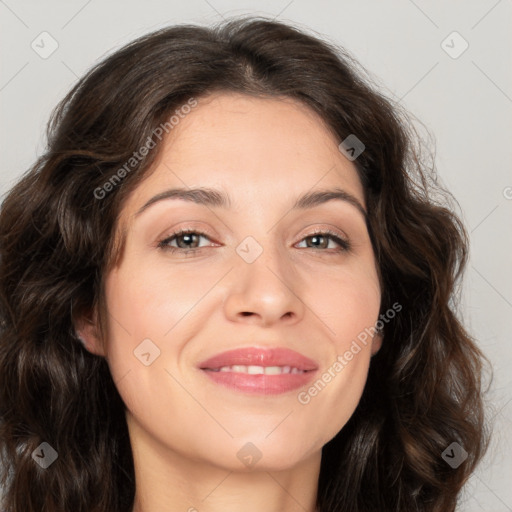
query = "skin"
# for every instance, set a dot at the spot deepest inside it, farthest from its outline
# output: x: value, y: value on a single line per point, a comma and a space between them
x: 185, y: 429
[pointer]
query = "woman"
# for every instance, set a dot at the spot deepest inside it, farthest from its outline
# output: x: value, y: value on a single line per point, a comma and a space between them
x: 225, y: 284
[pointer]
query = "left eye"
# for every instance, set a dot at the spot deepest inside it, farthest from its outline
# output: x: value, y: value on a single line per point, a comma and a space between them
x: 327, y: 236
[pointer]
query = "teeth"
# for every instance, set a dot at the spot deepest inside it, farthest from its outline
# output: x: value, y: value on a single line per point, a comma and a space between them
x: 260, y: 370
x: 274, y: 370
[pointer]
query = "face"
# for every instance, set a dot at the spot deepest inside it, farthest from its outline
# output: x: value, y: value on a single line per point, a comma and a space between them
x: 239, y: 331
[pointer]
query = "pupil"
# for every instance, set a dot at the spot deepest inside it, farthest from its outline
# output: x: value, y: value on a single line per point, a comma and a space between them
x: 187, y: 237
x: 317, y: 237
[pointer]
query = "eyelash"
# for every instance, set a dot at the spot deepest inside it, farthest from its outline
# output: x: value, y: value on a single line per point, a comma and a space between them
x: 344, y: 244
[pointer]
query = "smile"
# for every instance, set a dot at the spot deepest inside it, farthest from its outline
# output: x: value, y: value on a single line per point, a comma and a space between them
x: 263, y: 371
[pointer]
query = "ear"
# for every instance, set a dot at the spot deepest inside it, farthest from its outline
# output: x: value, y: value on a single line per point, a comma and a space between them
x: 88, y: 332
x: 377, y: 342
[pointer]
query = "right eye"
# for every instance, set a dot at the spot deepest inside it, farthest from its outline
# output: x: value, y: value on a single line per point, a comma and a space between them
x: 184, y: 236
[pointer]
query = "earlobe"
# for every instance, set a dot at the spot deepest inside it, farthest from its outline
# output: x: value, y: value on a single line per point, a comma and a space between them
x: 87, y: 332
x: 377, y: 342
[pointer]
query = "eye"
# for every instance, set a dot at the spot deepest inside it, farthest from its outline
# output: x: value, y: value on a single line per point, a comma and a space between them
x: 321, y: 239
x: 186, y: 240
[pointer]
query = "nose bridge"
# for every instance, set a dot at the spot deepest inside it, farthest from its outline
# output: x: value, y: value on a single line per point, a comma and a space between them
x: 264, y: 262
x: 262, y: 284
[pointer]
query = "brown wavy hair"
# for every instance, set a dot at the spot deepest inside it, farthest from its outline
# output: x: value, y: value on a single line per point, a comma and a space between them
x: 424, y: 388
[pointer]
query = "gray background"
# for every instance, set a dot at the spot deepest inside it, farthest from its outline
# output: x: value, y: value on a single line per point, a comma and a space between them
x: 465, y: 102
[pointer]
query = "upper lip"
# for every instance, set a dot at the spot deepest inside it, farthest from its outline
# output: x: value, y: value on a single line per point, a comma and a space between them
x: 257, y: 356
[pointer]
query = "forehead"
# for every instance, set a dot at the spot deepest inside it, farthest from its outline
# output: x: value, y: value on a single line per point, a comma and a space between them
x: 255, y: 148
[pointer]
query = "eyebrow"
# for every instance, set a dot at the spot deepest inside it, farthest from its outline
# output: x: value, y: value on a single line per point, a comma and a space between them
x: 219, y: 199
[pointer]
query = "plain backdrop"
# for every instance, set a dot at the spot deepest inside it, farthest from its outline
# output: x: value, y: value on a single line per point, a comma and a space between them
x: 449, y: 64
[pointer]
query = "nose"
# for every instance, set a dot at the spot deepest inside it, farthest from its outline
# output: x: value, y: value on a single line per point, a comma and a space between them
x: 264, y: 292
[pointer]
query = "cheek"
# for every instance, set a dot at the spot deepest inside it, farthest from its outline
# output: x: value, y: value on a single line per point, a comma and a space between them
x: 346, y: 300
x: 152, y: 315
x: 348, y: 304
x: 149, y: 303
x: 142, y: 310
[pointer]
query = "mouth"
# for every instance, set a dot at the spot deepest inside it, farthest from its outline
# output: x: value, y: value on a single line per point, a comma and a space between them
x: 260, y: 371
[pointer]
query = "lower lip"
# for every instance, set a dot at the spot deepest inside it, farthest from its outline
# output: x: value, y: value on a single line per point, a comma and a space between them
x: 261, y: 384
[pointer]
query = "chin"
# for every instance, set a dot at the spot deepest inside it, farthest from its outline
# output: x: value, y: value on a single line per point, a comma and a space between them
x: 259, y: 454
